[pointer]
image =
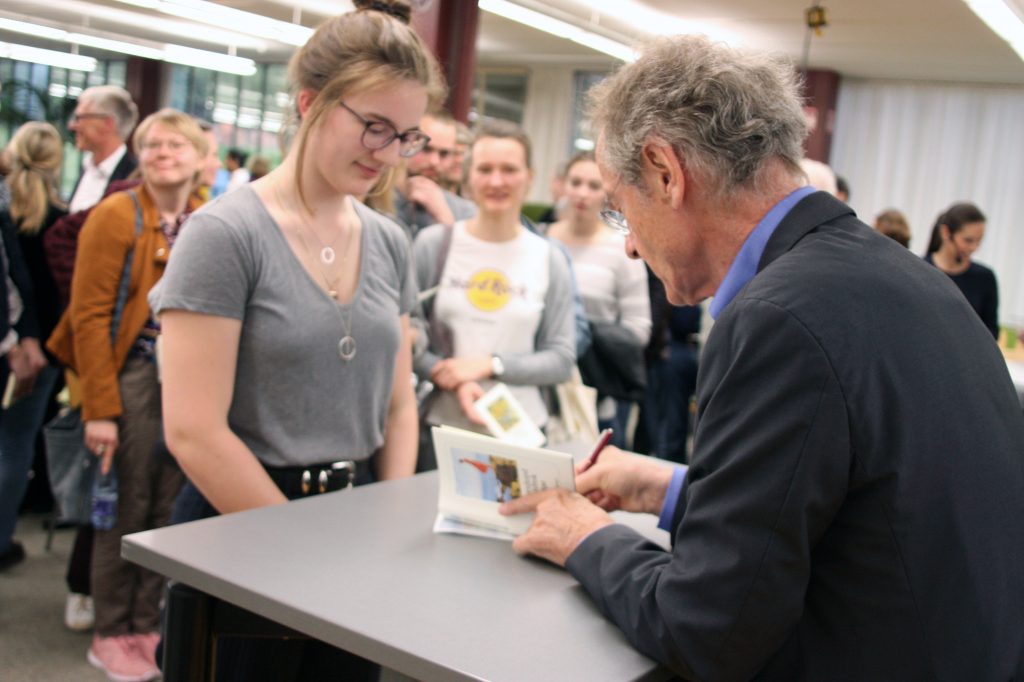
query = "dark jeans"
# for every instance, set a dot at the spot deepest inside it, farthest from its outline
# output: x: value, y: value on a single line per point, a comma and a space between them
x: 241, y: 659
x: 671, y: 383
x: 18, y: 433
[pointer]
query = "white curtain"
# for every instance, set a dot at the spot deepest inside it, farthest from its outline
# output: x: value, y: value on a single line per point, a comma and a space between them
x: 920, y: 147
x: 547, y: 119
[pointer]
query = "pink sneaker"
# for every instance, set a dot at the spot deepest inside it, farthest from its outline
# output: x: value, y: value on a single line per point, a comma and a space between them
x: 146, y: 645
x: 119, y: 658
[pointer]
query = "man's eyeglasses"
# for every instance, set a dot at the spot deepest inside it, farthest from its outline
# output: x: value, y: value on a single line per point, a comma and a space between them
x: 379, y: 134
x: 75, y: 118
x: 615, y: 220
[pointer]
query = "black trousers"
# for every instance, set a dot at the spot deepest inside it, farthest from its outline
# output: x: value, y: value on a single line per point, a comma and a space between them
x: 241, y: 659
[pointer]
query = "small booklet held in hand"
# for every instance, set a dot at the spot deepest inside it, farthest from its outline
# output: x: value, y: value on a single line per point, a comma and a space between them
x: 506, y: 419
x: 478, y: 473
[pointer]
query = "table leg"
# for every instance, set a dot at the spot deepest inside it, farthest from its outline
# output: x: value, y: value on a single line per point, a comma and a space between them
x: 188, y: 640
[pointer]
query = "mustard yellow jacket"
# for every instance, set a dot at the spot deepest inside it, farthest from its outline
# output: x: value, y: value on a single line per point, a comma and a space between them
x: 82, y: 338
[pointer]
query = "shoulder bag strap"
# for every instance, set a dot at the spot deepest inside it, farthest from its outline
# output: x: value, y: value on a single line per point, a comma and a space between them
x: 126, y: 271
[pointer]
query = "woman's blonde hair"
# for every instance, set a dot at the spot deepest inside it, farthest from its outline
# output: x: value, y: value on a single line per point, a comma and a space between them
x: 177, y: 122
x: 34, y: 154
x: 357, y: 52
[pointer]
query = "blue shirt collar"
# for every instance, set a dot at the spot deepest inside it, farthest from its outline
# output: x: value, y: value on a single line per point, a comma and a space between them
x: 744, y: 267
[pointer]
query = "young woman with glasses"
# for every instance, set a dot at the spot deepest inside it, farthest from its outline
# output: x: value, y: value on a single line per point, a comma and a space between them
x: 286, y: 346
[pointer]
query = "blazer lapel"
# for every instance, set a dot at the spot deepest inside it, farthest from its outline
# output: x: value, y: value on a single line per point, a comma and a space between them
x: 812, y: 211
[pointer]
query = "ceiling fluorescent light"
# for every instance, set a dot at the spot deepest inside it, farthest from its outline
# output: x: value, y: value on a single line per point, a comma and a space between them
x: 1003, y: 21
x: 221, y: 36
x: 208, y: 60
x: 557, y: 27
x: 169, y: 53
x: 28, y: 29
x: 35, y: 55
x: 114, y: 46
x: 219, y: 15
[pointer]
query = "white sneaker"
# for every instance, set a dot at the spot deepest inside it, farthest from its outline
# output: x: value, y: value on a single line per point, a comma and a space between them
x: 79, y: 614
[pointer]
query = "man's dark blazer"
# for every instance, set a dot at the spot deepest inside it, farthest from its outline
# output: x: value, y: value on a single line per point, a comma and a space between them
x: 855, y: 506
x: 61, y: 240
x: 125, y: 167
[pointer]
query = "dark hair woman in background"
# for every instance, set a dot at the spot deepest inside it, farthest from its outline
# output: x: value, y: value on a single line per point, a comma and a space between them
x: 956, y: 236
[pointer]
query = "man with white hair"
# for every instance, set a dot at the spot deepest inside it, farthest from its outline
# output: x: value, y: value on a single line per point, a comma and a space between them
x: 852, y: 507
x: 104, y: 118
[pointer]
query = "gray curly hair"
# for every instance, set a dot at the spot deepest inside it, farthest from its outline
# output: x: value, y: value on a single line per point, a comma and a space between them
x: 725, y: 112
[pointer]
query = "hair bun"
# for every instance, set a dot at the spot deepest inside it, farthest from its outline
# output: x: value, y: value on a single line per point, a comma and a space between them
x: 393, y: 8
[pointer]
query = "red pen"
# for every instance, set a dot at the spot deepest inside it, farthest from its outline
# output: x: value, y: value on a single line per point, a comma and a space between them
x: 602, y: 441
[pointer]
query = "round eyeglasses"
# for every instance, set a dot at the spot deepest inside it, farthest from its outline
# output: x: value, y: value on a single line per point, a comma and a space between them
x: 615, y: 220
x: 379, y: 134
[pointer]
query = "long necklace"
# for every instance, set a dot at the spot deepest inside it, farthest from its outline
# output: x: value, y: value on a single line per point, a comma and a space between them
x: 327, y: 253
x: 347, y: 344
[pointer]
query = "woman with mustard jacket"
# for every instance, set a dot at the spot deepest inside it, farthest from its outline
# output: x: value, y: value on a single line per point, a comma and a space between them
x: 107, y: 336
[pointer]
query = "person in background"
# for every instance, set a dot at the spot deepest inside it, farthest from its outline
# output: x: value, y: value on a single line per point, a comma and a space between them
x: 503, y: 308
x: 842, y: 189
x: 613, y: 288
x: 259, y: 167
x: 855, y: 424
x: 420, y: 198
x: 34, y: 154
x: 819, y: 175
x: 212, y: 164
x: 456, y: 163
x: 295, y: 250
x: 234, y: 162
x: 115, y: 360
x: 893, y: 224
x: 672, y: 363
x: 104, y: 118
x: 558, y: 198
x: 957, y: 234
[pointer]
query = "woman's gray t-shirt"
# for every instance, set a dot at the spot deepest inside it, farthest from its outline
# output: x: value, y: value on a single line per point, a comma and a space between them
x: 295, y: 401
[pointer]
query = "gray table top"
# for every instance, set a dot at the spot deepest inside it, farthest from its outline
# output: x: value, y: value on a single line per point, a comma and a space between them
x: 362, y: 570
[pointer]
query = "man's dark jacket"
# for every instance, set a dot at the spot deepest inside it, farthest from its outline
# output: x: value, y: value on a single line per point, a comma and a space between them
x: 854, y: 506
x: 61, y: 240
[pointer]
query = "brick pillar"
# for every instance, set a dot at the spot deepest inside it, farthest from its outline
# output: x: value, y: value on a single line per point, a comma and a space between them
x: 449, y: 28
x: 821, y: 90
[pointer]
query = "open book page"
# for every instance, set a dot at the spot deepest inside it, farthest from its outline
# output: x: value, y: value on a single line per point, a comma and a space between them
x: 478, y: 473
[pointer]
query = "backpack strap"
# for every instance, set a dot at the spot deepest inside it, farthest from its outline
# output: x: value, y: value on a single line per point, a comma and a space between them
x: 126, y: 271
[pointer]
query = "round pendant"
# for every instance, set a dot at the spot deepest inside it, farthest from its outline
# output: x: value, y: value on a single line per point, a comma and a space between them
x: 327, y: 255
x: 347, y: 348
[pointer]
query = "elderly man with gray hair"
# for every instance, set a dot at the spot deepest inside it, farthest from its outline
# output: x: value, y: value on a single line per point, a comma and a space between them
x: 852, y: 506
x: 104, y: 118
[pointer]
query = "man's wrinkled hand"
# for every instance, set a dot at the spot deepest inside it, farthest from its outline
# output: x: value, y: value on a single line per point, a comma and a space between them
x: 563, y: 520
x: 622, y: 481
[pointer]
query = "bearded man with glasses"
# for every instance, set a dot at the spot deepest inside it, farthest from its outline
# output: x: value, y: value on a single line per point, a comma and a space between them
x: 420, y: 198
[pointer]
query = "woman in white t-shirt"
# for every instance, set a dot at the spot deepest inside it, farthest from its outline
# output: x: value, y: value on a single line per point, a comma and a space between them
x: 612, y: 285
x: 503, y: 310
